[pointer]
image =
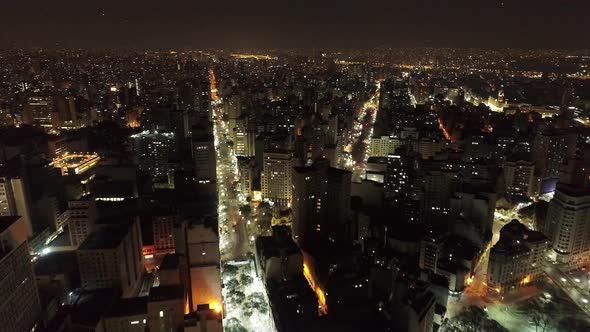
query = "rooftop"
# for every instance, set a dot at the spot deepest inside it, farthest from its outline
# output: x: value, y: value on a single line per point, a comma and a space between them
x: 6, y: 222
x: 106, y: 238
x: 128, y: 307
x: 270, y: 246
x: 170, y: 262
x: 166, y: 293
x: 89, y: 307
x: 80, y: 162
x: 56, y: 262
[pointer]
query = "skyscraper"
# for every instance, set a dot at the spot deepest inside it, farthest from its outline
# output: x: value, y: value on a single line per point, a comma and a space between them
x: 321, y: 202
x: 81, y: 221
x: 518, y: 178
x: 246, y: 168
x: 111, y: 257
x: 551, y: 148
x: 153, y: 151
x: 199, y: 243
x: 309, y: 200
x: 399, y: 176
x: 163, y: 229
x: 204, y: 158
x: 277, y: 169
x: 39, y: 111
x: 20, y: 306
x: 567, y: 225
x: 15, y: 195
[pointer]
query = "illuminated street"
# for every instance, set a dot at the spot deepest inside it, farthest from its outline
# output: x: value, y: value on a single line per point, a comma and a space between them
x: 356, y: 150
x: 576, y: 288
x: 234, y: 241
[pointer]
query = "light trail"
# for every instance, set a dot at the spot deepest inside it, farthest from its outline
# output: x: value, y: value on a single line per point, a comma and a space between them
x: 356, y: 149
x: 444, y: 131
x: 321, y: 295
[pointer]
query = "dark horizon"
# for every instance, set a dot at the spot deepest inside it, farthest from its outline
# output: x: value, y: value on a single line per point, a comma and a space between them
x: 231, y: 24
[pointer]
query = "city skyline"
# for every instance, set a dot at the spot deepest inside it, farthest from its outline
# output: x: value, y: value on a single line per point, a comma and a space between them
x: 282, y: 166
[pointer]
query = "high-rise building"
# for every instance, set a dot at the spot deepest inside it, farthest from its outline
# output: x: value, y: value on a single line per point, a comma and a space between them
x: 551, y: 148
x: 321, y: 202
x: 431, y: 246
x: 567, y: 225
x: 399, y: 176
x: 199, y: 245
x: 244, y: 136
x: 194, y: 95
x: 240, y: 138
x: 437, y: 187
x: 166, y: 308
x: 20, y: 307
x: 277, y: 169
x: 163, y: 229
x: 153, y: 151
x: 246, y: 169
x: 15, y: 198
x: 338, y: 210
x: 163, y: 310
x: 518, y: 178
x: 395, y: 94
x: 277, y: 256
x: 39, y: 111
x: 28, y: 188
x: 111, y: 257
x: 309, y: 200
x: 517, y: 258
x: 383, y: 146
x: 576, y: 173
x: 81, y: 219
x: 204, y: 155
x: 427, y: 147
x: 476, y: 206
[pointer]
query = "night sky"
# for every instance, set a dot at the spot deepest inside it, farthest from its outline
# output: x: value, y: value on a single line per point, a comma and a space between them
x: 190, y: 24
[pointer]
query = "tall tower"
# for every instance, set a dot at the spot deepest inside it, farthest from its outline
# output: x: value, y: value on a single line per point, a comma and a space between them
x: 153, y: 150
x: 204, y: 158
x: 567, y: 225
x: 277, y: 168
x: 309, y: 201
x: 20, y: 307
x: 321, y: 202
x: 551, y: 148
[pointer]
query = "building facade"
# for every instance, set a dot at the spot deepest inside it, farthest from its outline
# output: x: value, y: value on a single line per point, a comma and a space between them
x: 518, y: 178
x: 567, y: 225
x: 20, y: 307
x: 153, y: 151
x: 277, y: 170
x: 517, y: 258
x: 81, y: 219
x: 111, y: 257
